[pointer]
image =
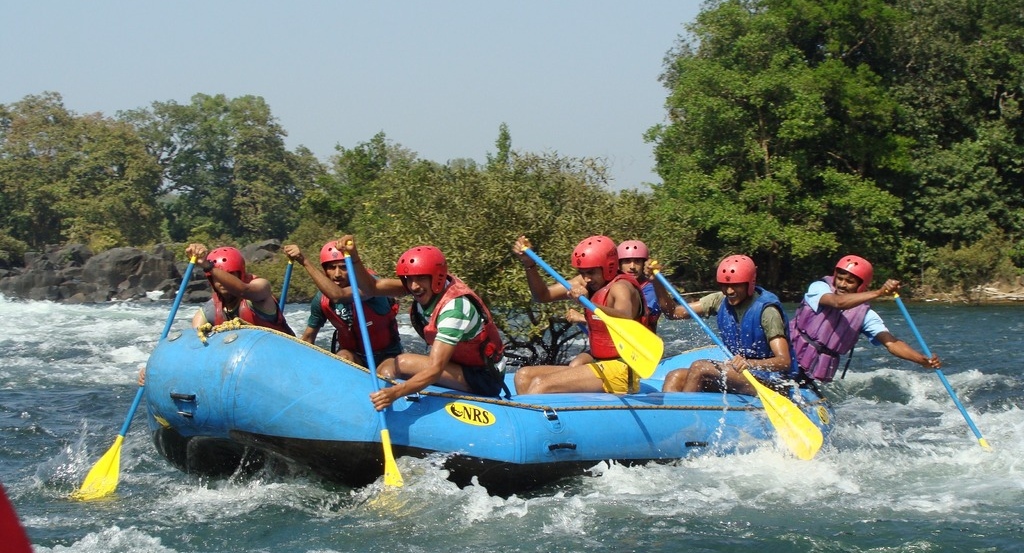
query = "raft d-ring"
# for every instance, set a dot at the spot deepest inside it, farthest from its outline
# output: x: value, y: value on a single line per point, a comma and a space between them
x: 230, y: 338
x: 174, y: 336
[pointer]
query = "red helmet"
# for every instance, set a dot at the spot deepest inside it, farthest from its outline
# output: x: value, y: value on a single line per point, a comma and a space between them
x: 738, y: 268
x: 858, y: 267
x: 597, y: 252
x: 230, y: 260
x: 330, y: 252
x: 633, y: 249
x: 424, y: 260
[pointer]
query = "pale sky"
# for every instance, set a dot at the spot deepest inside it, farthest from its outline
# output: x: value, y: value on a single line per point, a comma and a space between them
x: 576, y: 77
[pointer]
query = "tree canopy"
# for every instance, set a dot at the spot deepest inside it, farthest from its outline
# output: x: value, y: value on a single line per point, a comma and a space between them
x: 800, y: 130
x: 65, y: 177
x: 226, y: 171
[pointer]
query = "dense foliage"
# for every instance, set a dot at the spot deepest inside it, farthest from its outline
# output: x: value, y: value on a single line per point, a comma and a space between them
x: 802, y: 129
x: 65, y: 177
x: 798, y: 130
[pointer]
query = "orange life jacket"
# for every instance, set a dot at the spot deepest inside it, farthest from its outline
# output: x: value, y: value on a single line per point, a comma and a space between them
x: 383, y: 328
x: 485, y: 349
x: 601, y: 344
x: 248, y: 314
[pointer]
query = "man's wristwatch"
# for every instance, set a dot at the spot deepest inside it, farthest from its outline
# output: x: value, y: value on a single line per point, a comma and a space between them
x: 206, y: 265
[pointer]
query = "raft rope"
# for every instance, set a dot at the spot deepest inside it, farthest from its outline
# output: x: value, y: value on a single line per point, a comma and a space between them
x: 206, y: 330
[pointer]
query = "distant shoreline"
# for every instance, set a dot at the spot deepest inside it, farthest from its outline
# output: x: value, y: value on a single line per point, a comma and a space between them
x: 989, y: 293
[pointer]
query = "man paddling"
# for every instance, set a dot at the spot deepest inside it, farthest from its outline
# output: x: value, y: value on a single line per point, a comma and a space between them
x: 633, y: 256
x: 617, y: 294
x: 835, y: 312
x: 752, y: 324
x: 236, y: 293
x: 333, y: 303
x: 465, y: 344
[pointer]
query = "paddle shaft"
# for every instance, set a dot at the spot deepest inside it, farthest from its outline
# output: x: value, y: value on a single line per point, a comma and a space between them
x: 177, y: 298
x: 561, y: 280
x: 361, y: 317
x: 693, y: 315
x: 942, y: 377
x: 391, y: 475
x: 103, y: 477
x: 284, y: 287
x: 637, y: 345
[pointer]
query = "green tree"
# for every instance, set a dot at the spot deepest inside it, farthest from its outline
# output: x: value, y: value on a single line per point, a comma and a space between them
x: 961, y: 68
x: 66, y: 177
x: 473, y: 214
x: 336, y: 195
x: 780, y: 141
x: 109, y: 197
x: 34, y: 154
x: 226, y: 171
x: 968, y: 267
x: 501, y: 159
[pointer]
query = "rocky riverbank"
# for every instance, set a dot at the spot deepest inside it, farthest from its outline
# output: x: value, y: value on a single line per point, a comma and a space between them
x: 73, y: 274
x: 993, y: 292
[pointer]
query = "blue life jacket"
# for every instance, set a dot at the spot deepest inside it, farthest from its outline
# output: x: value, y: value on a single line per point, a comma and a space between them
x: 747, y: 338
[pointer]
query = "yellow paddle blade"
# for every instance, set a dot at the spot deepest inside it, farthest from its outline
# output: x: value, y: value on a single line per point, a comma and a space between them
x: 640, y: 348
x: 102, y: 478
x: 797, y: 431
x: 392, y: 477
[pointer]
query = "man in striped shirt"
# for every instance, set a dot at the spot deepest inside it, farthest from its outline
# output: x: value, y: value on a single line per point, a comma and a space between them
x: 465, y: 345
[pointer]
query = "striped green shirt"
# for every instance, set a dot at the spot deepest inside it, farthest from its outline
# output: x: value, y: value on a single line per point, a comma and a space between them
x: 458, y: 321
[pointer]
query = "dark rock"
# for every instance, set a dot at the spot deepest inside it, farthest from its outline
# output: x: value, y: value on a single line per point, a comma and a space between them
x: 47, y: 293
x: 87, y: 291
x: 31, y: 258
x: 113, y: 266
x: 73, y: 255
x: 76, y: 299
x: 129, y: 273
x: 261, y: 251
x: 197, y: 292
x: 169, y: 287
x: 34, y: 285
x: 73, y: 274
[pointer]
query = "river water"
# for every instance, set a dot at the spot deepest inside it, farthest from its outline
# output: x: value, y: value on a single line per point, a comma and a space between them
x: 903, y: 472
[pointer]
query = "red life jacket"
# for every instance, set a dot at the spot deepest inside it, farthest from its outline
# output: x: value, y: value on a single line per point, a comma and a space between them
x: 601, y: 344
x: 484, y: 350
x: 383, y: 328
x: 15, y: 539
x: 249, y: 315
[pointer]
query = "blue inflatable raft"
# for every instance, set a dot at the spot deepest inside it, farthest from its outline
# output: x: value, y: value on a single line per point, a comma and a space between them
x: 247, y: 395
